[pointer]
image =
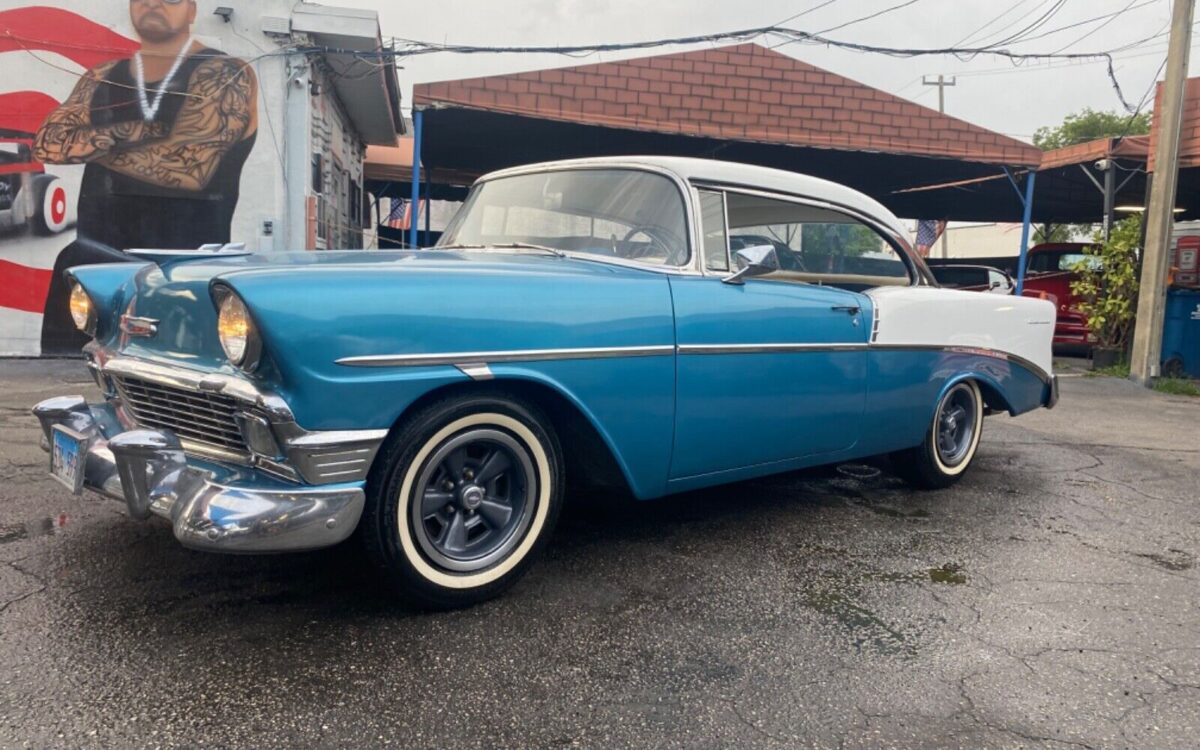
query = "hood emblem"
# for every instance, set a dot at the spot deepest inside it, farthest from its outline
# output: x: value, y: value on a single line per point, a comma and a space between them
x: 135, y: 326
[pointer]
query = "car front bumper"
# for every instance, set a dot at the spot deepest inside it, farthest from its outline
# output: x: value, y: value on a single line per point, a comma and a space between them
x: 211, y: 506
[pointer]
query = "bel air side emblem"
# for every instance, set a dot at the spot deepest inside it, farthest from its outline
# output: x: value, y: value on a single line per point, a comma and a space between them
x: 135, y: 326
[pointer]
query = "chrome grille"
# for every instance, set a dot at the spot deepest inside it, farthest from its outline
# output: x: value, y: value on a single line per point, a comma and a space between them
x: 195, y: 416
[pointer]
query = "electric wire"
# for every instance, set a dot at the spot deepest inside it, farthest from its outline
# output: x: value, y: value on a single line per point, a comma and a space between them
x: 1004, y: 13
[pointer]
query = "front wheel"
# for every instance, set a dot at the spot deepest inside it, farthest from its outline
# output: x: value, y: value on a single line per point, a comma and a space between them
x: 950, y: 442
x: 462, y: 498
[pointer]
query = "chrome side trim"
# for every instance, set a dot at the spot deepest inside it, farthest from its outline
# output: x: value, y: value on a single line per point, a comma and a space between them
x: 335, y: 438
x: 520, y: 355
x: 766, y: 348
x: 334, y: 455
x: 477, y: 371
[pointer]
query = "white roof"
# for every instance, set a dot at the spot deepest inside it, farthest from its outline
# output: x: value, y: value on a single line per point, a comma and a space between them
x: 736, y: 173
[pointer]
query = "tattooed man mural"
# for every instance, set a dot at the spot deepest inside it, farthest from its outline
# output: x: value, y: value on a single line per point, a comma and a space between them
x: 163, y: 134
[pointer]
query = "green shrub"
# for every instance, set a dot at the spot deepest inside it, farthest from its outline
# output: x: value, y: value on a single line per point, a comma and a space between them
x: 1108, y: 289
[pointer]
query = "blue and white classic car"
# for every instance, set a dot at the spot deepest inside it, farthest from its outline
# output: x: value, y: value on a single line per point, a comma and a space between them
x: 654, y: 324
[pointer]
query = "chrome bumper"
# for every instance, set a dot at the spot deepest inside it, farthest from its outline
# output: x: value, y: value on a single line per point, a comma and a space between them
x: 210, y: 506
x: 1052, y: 399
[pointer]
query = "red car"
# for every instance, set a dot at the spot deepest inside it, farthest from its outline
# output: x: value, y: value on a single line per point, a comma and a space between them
x: 29, y: 198
x: 1048, y: 271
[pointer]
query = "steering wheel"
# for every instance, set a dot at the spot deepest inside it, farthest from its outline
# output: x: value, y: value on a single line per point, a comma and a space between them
x: 660, y: 239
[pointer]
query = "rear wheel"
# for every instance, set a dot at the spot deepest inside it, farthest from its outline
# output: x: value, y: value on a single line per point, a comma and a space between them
x: 950, y: 442
x: 462, y: 498
x: 50, y: 205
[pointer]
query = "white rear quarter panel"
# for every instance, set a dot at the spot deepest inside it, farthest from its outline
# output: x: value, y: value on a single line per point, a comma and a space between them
x: 928, y: 316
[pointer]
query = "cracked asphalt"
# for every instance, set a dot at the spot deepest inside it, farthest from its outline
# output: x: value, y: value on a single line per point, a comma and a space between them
x: 1050, y: 599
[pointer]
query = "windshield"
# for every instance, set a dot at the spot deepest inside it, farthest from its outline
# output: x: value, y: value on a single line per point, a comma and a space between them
x: 615, y: 213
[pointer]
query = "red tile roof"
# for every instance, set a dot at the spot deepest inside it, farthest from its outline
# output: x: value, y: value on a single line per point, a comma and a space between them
x: 1133, y: 147
x: 1189, y: 136
x: 744, y: 92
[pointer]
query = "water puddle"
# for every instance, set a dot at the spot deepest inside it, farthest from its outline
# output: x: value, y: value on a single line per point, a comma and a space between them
x: 15, y: 532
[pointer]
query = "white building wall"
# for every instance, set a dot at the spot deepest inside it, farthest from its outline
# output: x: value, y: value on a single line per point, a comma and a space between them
x: 273, y: 203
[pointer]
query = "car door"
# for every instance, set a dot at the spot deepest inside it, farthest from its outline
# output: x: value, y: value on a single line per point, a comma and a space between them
x: 769, y: 370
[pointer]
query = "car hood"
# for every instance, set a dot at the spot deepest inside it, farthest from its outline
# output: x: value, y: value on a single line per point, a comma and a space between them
x: 175, y: 293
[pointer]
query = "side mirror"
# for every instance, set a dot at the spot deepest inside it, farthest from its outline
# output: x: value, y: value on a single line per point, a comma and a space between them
x: 756, y: 260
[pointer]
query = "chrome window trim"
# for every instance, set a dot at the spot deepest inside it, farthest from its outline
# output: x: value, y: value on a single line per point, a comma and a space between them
x: 685, y: 194
x: 767, y: 348
x: 917, y: 275
x: 460, y: 359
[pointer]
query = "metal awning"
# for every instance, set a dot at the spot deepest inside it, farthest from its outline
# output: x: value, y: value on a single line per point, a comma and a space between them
x: 367, y: 88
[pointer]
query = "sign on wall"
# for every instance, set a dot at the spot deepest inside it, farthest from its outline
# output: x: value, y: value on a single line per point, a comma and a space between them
x: 125, y: 132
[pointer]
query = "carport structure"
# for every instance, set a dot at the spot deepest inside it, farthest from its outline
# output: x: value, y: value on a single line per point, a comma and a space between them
x: 1080, y: 183
x: 739, y: 103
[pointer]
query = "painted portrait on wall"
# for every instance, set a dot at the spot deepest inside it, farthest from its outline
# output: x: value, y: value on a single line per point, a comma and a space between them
x: 157, y: 128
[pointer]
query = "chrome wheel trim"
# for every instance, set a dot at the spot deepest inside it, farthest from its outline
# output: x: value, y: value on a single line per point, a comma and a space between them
x: 955, y: 425
x: 473, y: 500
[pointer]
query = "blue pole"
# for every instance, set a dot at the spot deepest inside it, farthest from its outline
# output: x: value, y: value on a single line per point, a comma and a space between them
x: 1025, y: 231
x: 415, y: 206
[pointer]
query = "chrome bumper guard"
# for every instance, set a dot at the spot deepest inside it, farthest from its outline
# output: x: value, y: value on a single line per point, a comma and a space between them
x: 210, y: 506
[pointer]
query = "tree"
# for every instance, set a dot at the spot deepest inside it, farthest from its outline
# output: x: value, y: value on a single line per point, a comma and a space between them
x: 1088, y: 125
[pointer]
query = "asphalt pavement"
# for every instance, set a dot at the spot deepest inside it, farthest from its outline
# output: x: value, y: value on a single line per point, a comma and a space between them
x: 1050, y: 599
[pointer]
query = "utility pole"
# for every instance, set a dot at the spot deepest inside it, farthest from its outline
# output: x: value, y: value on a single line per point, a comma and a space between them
x: 1160, y: 213
x: 941, y: 83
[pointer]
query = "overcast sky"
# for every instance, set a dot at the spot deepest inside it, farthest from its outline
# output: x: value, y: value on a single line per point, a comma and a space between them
x: 989, y: 90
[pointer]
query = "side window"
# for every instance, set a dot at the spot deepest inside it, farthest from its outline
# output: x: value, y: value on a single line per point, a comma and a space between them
x: 996, y: 279
x: 712, y: 223
x: 814, y: 244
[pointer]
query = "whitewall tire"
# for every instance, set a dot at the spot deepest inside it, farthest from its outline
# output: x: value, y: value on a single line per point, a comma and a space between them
x: 951, y: 439
x: 462, y: 497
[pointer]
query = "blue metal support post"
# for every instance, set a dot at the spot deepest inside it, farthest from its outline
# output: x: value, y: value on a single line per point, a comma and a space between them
x: 1027, y: 204
x: 415, y: 206
x: 1025, y: 231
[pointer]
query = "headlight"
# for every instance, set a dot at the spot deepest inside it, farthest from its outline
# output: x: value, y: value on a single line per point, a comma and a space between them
x: 236, y: 331
x: 83, y: 312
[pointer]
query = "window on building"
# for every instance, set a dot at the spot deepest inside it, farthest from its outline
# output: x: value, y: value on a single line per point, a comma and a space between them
x: 318, y: 174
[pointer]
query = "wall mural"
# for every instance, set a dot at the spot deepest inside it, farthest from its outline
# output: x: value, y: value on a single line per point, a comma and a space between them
x: 147, y: 150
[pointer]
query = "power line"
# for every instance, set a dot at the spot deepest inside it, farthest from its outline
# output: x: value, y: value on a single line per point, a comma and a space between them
x: 1086, y: 21
x: 803, y: 13
x: 1112, y: 18
x: 1042, y: 20
x: 970, y: 36
x: 877, y: 14
x: 1016, y: 21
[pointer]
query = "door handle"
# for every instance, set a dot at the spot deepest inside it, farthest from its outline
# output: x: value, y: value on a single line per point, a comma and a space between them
x: 850, y: 309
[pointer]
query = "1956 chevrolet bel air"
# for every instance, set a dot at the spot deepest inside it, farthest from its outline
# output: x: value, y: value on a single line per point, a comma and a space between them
x: 656, y: 324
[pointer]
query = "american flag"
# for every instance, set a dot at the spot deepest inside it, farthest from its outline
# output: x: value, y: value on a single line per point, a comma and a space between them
x: 928, y: 231
x: 397, y: 217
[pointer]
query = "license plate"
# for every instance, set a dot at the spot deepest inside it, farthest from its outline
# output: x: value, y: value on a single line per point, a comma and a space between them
x: 68, y: 454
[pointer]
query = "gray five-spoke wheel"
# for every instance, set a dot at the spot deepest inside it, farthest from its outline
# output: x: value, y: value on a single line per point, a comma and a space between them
x: 955, y: 425
x: 474, y: 499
